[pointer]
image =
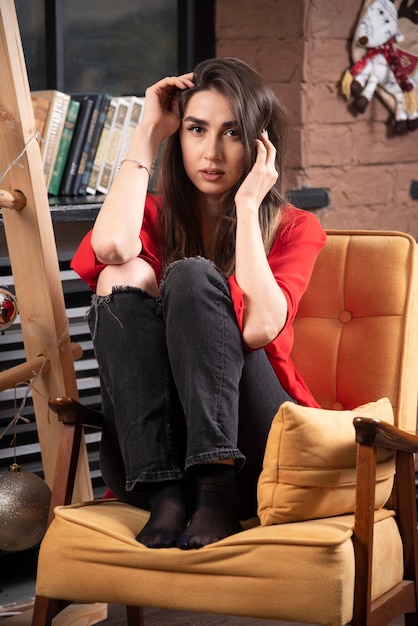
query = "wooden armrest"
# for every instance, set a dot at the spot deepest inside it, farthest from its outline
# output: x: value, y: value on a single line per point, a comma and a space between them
x: 74, y: 416
x: 71, y: 411
x: 370, y: 434
x: 374, y: 432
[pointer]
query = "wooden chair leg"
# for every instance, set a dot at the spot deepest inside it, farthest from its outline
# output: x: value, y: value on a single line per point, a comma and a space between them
x: 135, y: 616
x: 407, y: 521
x: 46, y: 609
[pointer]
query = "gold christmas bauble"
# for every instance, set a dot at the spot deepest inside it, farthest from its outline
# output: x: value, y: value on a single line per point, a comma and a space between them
x: 24, y: 503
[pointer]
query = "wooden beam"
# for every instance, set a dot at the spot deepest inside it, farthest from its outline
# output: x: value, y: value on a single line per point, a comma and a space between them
x: 32, y: 249
x: 24, y: 372
x: 13, y: 200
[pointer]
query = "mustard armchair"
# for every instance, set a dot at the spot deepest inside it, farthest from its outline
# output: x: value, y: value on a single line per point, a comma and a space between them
x: 336, y: 538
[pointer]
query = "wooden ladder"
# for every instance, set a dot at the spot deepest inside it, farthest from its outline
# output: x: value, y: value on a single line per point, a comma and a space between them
x: 34, y: 261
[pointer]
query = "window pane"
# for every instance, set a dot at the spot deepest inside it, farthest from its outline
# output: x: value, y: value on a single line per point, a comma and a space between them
x: 119, y: 47
x: 31, y: 20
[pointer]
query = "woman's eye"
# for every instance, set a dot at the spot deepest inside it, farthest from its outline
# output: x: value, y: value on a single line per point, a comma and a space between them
x: 232, y: 132
x: 196, y: 129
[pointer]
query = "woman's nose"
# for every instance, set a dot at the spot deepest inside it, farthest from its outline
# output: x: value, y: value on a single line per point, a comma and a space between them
x: 212, y: 149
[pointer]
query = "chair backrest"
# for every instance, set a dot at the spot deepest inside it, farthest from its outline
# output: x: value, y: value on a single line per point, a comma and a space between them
x: 356, y: 332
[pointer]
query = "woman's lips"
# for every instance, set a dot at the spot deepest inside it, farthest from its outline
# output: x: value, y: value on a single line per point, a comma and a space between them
x: 211, y: 175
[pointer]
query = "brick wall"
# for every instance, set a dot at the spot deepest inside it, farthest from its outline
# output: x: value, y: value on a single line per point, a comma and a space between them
x: 302, y: 47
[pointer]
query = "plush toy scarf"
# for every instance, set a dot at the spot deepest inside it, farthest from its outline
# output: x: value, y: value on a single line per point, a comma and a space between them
x: 396, y: 59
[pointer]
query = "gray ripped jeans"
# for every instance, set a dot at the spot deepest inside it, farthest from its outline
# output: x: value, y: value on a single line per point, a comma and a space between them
x: 178, y: 386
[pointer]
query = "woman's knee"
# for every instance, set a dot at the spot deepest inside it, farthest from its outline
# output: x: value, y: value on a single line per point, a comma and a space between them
x: 135, y: 273
x: 190, y: 275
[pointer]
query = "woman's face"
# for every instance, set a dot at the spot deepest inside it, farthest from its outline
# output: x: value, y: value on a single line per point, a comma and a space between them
x: 213, y: 154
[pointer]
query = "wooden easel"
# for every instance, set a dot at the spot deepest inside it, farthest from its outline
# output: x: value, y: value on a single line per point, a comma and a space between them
x: 32, y: 249
x: 34, y: 262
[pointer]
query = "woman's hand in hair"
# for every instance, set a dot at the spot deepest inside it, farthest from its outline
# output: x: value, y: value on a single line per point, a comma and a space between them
x: 260, y: 179
x: 161, y: 104
x: 265, y: 304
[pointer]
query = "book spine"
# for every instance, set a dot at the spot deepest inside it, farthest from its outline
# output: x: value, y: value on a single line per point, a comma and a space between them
x: 76, y: 149
x: 40, y: 111
x: 94, y: 144
x: 102, y: 147
x: 111, y: 164
x: 64, y: 147
x: 58, y: 112
x: 97, y: 100
x: 135, y: 117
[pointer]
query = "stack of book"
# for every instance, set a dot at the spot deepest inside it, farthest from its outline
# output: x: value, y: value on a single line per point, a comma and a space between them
x: 85, y: 136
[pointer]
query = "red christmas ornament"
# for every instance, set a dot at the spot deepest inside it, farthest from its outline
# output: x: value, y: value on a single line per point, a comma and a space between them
x: 8, y: 308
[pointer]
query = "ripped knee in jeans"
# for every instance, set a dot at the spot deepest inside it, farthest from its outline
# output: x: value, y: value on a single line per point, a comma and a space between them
x: 134, y: 273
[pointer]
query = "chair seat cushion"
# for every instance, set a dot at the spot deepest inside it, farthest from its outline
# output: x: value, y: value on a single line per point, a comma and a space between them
x: 302, y: 571
x: 309, y: 468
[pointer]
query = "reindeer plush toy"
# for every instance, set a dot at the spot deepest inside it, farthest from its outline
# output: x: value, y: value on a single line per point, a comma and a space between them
x: 385, y: 66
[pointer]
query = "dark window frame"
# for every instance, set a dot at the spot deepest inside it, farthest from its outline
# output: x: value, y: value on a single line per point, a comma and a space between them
x: 195, y: 37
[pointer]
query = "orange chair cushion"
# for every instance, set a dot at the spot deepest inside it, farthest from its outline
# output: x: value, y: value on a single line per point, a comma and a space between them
x: 309, y: 469
x: 300, y: 572
x: 355, y: 331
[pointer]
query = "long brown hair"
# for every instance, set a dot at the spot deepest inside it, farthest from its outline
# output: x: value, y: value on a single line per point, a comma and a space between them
x: 255, y: 108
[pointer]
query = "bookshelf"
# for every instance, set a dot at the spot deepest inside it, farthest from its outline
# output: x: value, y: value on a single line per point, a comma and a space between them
x: 86, y: 208
x: 75, y: 208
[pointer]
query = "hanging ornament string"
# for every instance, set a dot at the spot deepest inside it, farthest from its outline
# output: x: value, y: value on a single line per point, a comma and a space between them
x: 14, y: 440
x: 5, y: 171
x: 31, y: 384
x: 14, y: 427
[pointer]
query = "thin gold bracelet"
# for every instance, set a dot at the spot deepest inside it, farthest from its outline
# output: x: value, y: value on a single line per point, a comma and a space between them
x: 140, y: 164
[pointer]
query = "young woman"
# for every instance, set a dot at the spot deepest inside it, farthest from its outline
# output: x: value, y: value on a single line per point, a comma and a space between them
x: 195, y: 295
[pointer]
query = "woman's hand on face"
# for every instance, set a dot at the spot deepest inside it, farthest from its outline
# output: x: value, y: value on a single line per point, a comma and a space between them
x: 161, y: 103
x: 261, y: 178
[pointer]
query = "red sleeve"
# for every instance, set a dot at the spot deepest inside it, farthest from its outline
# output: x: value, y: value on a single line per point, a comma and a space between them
x: 291, y: 259
x: 87, y: 266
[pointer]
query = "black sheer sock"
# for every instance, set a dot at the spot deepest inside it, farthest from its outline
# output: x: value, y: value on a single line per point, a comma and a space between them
x: 215, y: 514
x: 169, y: 515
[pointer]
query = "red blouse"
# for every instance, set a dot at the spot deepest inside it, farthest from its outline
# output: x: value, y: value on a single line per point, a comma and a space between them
x: 291, y: 259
